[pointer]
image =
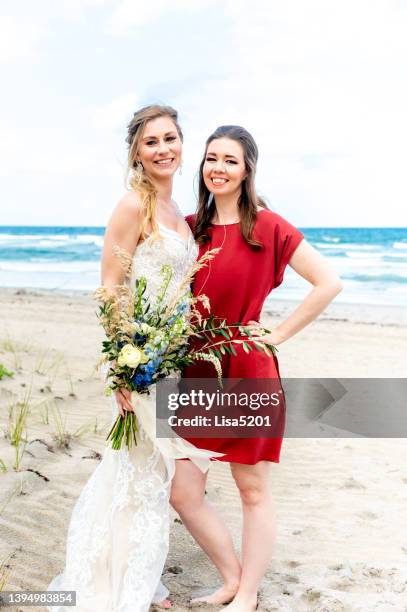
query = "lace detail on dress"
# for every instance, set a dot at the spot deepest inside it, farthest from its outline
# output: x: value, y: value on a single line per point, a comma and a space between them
x: 117, y: 540
x: 172, y: 250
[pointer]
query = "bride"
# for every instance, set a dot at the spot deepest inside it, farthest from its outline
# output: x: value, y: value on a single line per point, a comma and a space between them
x: 118, y: 535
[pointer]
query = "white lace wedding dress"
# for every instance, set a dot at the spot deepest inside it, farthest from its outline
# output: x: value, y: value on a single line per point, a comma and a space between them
x: 118, y: 535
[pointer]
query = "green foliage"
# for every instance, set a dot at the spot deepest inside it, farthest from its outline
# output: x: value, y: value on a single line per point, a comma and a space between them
x: 4, y: 372
x: 16, y: 430
x: 148, y: 339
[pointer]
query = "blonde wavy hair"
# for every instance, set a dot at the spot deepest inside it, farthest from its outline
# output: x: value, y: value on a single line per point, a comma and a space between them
x: 136, y: 179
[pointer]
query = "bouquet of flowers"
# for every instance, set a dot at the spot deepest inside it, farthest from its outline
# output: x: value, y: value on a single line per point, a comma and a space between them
x: 147, y: 338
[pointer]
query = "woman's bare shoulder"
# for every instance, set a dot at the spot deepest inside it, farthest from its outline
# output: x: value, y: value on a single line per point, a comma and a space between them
x: 130, y: 201
x: 125, y: 218
x: 127, y: 209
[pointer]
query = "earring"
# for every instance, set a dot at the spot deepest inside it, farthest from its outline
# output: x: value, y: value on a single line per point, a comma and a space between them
x: 139, y: 167
x: 180, y: 169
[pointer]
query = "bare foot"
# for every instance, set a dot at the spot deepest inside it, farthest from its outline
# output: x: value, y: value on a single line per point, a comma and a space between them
x: 241, y: 605
x: 164, y: 603
x: 222, y: 596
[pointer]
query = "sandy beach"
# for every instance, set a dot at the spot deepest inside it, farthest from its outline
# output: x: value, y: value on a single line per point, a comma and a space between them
x: 341, y: 503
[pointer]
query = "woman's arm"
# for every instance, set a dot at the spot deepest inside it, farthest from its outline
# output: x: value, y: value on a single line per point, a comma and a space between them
x: 123, y: 230
x: 309, y: 264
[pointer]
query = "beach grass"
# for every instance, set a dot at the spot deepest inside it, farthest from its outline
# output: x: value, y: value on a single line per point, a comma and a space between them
x: 5, y: 372
x: 70, y: 384
x: 4, y: 572
x: 48, y: 364
x: 44, y: 409
x: 16, y: 427
x: 16, y: 348
x: 62, y: 436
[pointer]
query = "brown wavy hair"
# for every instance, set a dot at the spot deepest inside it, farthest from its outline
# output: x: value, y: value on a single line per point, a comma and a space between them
x: 136, y: 179
x: 248, y: 200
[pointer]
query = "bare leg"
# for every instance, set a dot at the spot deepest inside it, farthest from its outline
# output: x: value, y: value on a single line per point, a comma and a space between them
x: 206, y: 527
x: 259, y: 531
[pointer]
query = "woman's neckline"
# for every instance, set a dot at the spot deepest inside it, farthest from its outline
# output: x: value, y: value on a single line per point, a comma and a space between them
x: 236, y: 222
x: 169, y: 229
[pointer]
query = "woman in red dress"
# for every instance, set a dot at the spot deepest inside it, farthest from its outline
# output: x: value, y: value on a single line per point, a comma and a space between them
x: 256, y: 246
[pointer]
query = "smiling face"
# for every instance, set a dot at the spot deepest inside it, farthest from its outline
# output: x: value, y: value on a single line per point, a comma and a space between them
x: 160, y: 148
x: 224, y: 168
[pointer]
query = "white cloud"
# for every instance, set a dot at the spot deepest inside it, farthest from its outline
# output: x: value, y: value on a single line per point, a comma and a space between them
x: 19, y: 39
x: 115, y: 113
x: 22, y: 32
x: 322, y: 78
x: 50, y: 152
x: 320, y: 84
x: 135, y: 13
x: 75, y: 9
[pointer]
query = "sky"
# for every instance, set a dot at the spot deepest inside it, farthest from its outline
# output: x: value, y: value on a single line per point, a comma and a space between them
x: 319, y: 83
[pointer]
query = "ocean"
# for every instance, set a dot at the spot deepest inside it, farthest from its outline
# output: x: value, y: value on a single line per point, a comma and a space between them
x: 372, y: 262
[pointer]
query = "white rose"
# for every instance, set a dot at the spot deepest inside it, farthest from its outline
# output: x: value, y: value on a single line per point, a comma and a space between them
x: 129, y: 356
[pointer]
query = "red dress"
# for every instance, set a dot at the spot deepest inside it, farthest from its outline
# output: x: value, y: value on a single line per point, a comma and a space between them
x: 237, y: 283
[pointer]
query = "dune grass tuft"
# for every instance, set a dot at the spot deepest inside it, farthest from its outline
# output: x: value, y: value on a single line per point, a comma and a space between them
x: 5, y: 372
x: 16, y: 427
x: 62, y: 436
x: 8, y: 345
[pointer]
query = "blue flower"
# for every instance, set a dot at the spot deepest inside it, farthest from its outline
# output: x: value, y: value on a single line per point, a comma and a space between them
x: 137, y: 379
x: 182, y: 308
x: 147, y: 379
x: 140, y: 338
